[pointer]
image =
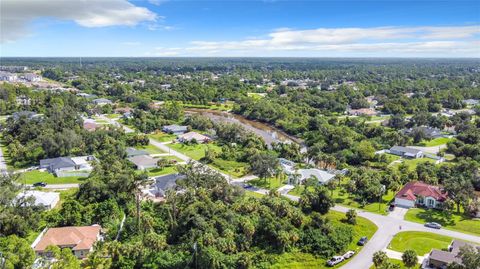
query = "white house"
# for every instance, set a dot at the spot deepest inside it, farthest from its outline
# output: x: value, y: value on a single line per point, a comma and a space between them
x: 419, y: 193
x: 48, y: 200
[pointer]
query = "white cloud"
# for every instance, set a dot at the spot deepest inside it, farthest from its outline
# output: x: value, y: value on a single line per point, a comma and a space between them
x: 454, y: 41
x: 17, y: 14
x: 157, y: 2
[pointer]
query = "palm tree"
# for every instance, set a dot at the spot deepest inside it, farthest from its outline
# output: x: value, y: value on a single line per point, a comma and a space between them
x: 139, y: 181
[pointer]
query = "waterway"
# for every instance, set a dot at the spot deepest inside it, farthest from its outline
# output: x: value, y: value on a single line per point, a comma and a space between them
x: 268, y: 133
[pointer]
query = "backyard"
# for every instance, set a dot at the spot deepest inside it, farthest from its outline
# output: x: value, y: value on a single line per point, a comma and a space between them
x: 421, y: 242
x: 412, y: 163
x: 436, y: 142
x: 32, y: 177
x: 454, y: 221
x: 194, y: 151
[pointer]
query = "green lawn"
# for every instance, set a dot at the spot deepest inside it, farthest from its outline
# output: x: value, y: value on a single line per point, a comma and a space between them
x: 214, y: 106
x: 162, y: 137
x: 171, y: 157
x: 421, y: 242
x: 271, y: 183
x: 342, y: 197
x: 113, y: 116
x: 195, y: 152
x: 232, y: 168
x: 455, y: 221
x: 159, y: 172
x: 436, y: 142
x: 150, y: 149
x: 31, y: 177
x: 253, y: 194
x: 295, y: 260
x: 412, y: 163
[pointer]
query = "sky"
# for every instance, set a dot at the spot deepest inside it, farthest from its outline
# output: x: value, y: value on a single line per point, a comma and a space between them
x: 269, y: 28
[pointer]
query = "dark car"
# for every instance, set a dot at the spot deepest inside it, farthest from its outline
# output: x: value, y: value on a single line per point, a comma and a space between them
x: 433, y: 225
x: 391, y: 207
x: 40, y: 184
x: 247, y: 186
x: 362, y: 241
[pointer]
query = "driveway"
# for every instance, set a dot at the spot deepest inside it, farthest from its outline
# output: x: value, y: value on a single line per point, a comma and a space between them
x: 398, y: 213
x: 3, y: 165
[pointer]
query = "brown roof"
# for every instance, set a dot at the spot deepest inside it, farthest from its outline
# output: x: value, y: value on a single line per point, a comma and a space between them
x: 414, y: 189
x: 78, y: 237
x: 90, y: 126
x: 443, y: 256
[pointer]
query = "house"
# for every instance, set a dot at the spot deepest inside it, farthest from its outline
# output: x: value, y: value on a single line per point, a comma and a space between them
x: 143, y: 162
x: 123, y: 110
x: 90, y: 126
x: 175, y: 129
x: 80, y: 239
x: 85, y: 95
x: 441, y: 258
x: 287, y: 166
x: 429, y: 132
x: 48, y: 200
x: 321, y: 175
x: 362, y: 112
x: 32, y: 77
x: 67, y: 164
x: 6, y: 76
x: 164, y: 183
x: 101, y: 101
x: 27, y: 114
x: 471, y: 102
x: 406, y: 152
x: 419, y: 193
x: 190, y: 136
x: 135, y: 152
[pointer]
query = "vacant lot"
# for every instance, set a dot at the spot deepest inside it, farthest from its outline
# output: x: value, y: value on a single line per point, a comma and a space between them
x: 421, y: 242
x: 31, y: 177
x: 454, y: 221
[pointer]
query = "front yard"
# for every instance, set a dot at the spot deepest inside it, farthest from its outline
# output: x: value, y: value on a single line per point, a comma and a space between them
x: 162, y: 137
x: 421, y: 242
x: 271, y: 183
x: 32, y: 177
x: 344, y: 198
x: 196, y: 151
x: 454, y: 221
x: 150, y: 149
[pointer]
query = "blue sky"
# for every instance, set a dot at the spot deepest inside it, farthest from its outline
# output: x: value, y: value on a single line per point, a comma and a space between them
x: 240, y: 28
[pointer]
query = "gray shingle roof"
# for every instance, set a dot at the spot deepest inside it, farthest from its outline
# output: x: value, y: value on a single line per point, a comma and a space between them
x: 405, y: 149
x: 57, y: 163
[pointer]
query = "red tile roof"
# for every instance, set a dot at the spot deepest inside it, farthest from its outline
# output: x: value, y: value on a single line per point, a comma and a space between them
x: 79, y: 238
x: 415, y: 188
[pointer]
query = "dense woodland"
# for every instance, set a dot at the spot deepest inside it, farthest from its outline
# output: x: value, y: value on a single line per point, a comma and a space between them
x: 213, y: 224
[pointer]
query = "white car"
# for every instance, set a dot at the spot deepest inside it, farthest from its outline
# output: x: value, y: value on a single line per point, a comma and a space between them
x: 335, y: 260
x: 349, y: 254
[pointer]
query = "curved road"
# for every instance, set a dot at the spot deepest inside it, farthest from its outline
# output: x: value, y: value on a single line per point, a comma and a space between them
x: 388, y: 226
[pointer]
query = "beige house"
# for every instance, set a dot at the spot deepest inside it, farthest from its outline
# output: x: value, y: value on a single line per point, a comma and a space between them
x: 80, y: 239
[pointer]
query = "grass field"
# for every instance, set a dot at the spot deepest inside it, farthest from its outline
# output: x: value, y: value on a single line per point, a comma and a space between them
x: 412, y: 163
x: 271, y: 183
x: 113, y: 116
x: 421, y: 242
x: 436, y: 142
x: 195, y: 152
x: 31, y: 177
x: 295, y: 260
x: 214, y: 106
x: 150, y: 149
x: 160, y: 172
x: 455, y: 221
x: 342, y: 197
x: 162, y: 137
x: 232, y: 168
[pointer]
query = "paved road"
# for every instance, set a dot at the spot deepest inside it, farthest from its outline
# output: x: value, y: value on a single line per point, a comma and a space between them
x: 115, y: 122
x: 59, y: 186
x: 388, y: 227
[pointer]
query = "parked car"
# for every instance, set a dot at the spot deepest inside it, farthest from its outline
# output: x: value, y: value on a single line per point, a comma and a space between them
x: 362, y: 241
x: 39, y: 184
x: 247, y: 186
x: 433, y: 225
x: 349, y: 254
x: 391, y: 207
x: 335, y: 260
